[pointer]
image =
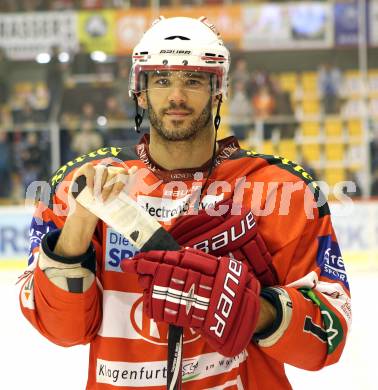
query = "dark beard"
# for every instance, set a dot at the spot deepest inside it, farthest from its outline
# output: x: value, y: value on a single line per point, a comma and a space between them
x: 196, y: 126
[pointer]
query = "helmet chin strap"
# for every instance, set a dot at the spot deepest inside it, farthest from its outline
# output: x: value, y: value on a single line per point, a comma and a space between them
x: 138, y: 116
x: 217, y: 120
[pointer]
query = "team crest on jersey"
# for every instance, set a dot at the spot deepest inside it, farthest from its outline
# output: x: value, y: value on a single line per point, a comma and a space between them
x: 330, y: 261
x: 117, y: 248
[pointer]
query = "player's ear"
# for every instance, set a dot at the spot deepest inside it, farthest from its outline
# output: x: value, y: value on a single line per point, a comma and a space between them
x: 142, y: 100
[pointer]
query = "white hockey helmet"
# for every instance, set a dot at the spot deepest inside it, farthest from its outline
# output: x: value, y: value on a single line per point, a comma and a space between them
x: 181, y: 44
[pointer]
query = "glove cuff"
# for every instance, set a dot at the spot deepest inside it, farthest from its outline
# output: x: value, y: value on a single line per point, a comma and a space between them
x: 280, y: 299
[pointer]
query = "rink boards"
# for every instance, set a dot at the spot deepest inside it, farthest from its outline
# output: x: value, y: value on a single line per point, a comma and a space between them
x: 356, y: 226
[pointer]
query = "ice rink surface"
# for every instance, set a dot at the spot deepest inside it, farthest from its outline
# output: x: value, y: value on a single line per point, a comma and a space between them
x: 28, y: 361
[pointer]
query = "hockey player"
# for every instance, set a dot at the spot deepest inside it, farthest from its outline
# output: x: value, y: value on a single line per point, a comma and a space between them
x: 259, y: 280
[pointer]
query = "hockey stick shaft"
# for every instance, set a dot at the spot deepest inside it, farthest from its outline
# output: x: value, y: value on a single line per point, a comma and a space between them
x: 145, y: 233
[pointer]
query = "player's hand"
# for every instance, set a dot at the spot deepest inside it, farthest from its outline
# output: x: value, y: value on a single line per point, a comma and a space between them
x: 228, y: 235
x: 105, y: 182
x: 217, y: 296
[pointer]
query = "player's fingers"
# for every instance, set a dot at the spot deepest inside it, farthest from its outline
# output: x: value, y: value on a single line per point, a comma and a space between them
x: 145, y: 281
x: 116, y: 180
x: 128, y: 265
x: 117, y: 170
x: 153, y: 255
x: 107, y: 188
x: 145, y: 267
x: 89, y: 175
x: 118, y: 174
x: 114, y: 191
x: 86, y: 170
x: 100, y: 177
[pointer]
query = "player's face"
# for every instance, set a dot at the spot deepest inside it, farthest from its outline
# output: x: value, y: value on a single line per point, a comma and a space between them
x: 179, y: 103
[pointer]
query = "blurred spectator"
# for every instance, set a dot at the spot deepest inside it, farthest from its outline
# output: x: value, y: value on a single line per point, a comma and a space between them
x: 113, y: 110
x: 86, y: 139
x: 4, y: 77
x: 374, y: 151
x: 121, y: 88
x: 283, y: 108
x: 260, y: 79
x: 39, y: 98
x: 351, y: 176
x: 92, y: 4
x: 5, y: 165
x: 26, y: 115
x: 31, y: 160
x: 82, y: 62
x: 329, y: 83
x: 240, y: 111
x: 116, y: 116
x: 241, y: 74
x: 6, y: 120
x: 88, y: 114
x: 263, y: 103
x: 282, y: 98
x: 55, y: 5
x: 374, y: 183
x: 68, y: 125
x: 139, y: 3
x: 54, y: 78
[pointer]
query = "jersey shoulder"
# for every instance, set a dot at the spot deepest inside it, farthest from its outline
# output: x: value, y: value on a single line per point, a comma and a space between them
x: 117, y: 154
x: 276, y: 163
x: 278, y: 168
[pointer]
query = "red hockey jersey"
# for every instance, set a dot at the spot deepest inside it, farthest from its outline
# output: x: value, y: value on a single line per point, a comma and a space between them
x: 127, y: 349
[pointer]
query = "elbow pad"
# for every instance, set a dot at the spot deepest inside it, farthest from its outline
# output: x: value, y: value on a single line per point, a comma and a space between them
x: 74, y: 274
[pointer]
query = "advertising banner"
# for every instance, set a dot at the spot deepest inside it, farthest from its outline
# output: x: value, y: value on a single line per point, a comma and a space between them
x: 265, y: 27
x: 96, y: 30
x: 131, y: 24
x: 227, y: 20
x: 287, y: 26
x: 14, y: 232
x: 346, y: 24
x: 25, y: 35
x: 373, y: 22
x: 310, y: 25
x: 355, y: 224
x: 129, y: 28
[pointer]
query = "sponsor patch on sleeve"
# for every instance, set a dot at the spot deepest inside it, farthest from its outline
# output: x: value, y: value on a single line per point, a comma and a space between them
x: 117, y: 248
x: 330, y: 261
x: 38, y: 229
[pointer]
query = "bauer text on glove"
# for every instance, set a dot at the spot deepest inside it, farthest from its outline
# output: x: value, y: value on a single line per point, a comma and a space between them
x: 219, y: 297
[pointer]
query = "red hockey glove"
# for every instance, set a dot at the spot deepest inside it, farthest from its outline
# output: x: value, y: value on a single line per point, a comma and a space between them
x: 227, y: 235
x: 189, y: 288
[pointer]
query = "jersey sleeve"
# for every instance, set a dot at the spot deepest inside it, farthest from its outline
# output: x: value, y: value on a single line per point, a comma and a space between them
x: 311, y: 274
x: 63, y: 317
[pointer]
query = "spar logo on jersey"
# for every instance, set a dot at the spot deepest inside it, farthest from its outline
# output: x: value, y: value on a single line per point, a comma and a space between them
x: 329, y: 260
x: 154, y: 332
x: 117, y: 248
